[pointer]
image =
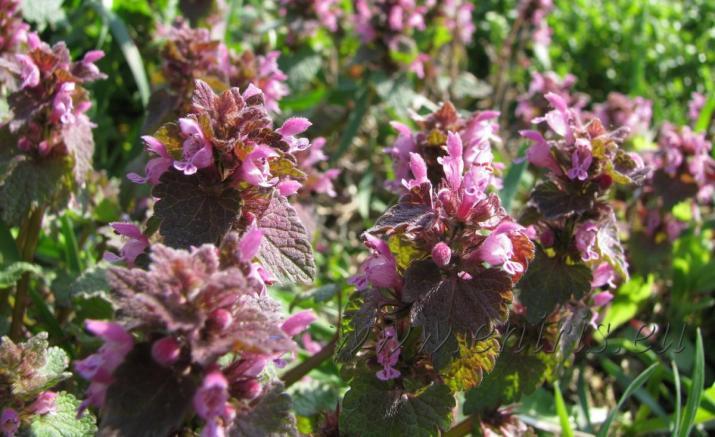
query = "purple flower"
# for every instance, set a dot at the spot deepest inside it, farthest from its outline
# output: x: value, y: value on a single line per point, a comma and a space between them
x: 298, y: 322
x: 696, y: 104
x: 580, y: 161
x: 380, y: 268
x: 473, y: 188
x: 602, y: 299
x: 135, y: 246
x: 497, y: 250
x: 388, y: 353
x: 294, y: 126
x: 250, y: 244
x: 270, y: 80
x: 9, y: 422
x: 419, y: 171
x: 603, y: 275
x: 62, y: 105
x: 211, y: 404
x: 539, y: 154
x: 288, y: 187
x: 166, y: 351
x: 481, y: 130
x: 45, y: 403
x: 585, y: 237
x: 453, y: 163
x: 29, y: 73
x: 441, y: 254
x: 156, y: 166
x: 197, y: 149
x: 256, y: 170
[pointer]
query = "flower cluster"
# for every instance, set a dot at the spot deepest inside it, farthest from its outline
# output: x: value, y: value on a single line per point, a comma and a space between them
x: 394, y: 26
x: 192, y: 308
x: 534, y: 12
x: 475, y: 134
x: 26, y: 374
x: 316, y: 181
x: 191, y: 53
x: 443, y: 262
x: 13, y: 30
x: 305, y: 17
x: 620, y: 110
x: 532, y: 104
x: 229, y: 139
x: 50, y: 105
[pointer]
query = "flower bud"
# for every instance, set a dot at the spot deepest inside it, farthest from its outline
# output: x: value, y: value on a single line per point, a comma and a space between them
x: 441, y: 254
x: 166, y: 351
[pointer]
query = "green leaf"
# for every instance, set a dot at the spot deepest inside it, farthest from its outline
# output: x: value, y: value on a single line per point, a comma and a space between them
x: 554, y: 202
x: 43, y: 12
x: 192, y: 214
x: 549, y: 282
x: 373, y: 408
x: 516, y: 373
x: 71, y: 247
x: 562, y: 411
x: 467, y: 369
x: 451, y: 305
x: 285, y: 248
x: 512, y: 179
x: 696, y: 389
x: 63, y: 420
x: 146, y: 399
x: 271, y: 416
x: 11, y: 274
x: 35, y: 183
x: 678, y: 402
x: 632, y: 387
x: 353, y: 125
x: 360, y: 316
x: 627, y: 302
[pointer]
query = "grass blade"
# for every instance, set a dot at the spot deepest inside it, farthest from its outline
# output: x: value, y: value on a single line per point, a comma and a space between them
x: 562, y: 411
x: 635, y: 385
x: 676, y: 378
x: 129, y: 49
x: 512, y: 179
x: 696, y: 389
x: 353, y: 124
x: 71, y: 248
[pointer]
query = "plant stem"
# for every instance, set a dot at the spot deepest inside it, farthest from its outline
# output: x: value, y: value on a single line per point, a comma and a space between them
x: 463, y: 428
x: 296, y: 373
x: 26, y: 244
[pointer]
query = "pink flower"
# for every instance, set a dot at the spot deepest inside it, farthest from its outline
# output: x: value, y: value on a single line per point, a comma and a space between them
x: 298, y: 322
x: 256, y: 170
x: 696, y: 104
x: 602, y: 299
x: 135, y: 246
x: 271, y: 80
x: 602, y: 275
x: 473, y: 190
x: 294, y: 126
x: 419, y: 171
x: 388, y: 353
x: 250, y: 244
x: 418, y: 65
x: 9, y: 422
x: 539, y: 153
x: 453, y: 163
x: 585, y: 237
x: 288, y: 187
x: 62, y: 105
x: 441, y: 254
x: 580, y: 162
x: 45, y: 403
x: 166, y: 351
x: 29, y: 73
x: 211, y: 404
x: 197, y: 150
x: 309, y: 344
x: 156, y: 166
x: 497, y: 250
x: 380, y: 268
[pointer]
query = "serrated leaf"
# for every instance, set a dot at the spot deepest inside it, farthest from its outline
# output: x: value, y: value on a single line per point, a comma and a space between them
x: 451, y: 305
x: 549, y: 282
x: 554, y: 202
x: 191, y: 214
x: 360, y: 316
x: 467, y: 369
x: 63, y: 420
x: 80, y: 144
x: 374, y: 408
x: 33, y: 183
x: 285, y: 248
x: 146, y: 399
x: 609, y: 246
x: 270, y: 416
x: 515, y: 374
x: 404, y: 216
x: 11, y: 274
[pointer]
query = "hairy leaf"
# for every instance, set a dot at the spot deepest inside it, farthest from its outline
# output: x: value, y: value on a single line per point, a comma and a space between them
x: 145, y: 398
x: 554, y: 202
x: 9, y: 275
x: 63, y: 420
x: 360, y: 316
x: 80, y: 144
x: 404, y: 216
x: 373, y: 408
x: 443, y: 306
x: 285, y: 249
x: 609, y: 246
x: 270, y: 416
x: 474, y: 359
x: 35, y: 183
x: 516, y: 373
x: 549, y: 282
x: 191, y: 214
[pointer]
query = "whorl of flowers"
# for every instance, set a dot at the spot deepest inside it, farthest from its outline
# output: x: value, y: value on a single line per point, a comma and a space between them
x: 13, y: 31
x: 443, y: 262
x: 191, y: 53
x: 304, y: 17
x: 50, y: 102
x: 532, y: 104
x: 229, y: 139
x: 190, y: 308
x: 476, y: 133
x: 620, y: 110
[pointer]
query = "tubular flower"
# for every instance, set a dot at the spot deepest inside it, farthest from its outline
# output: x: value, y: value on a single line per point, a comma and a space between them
x: 135, y: 246
x: 532, y: 104
x: 586, y: 239
x: 388, y: 353
x: 9, y: 422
